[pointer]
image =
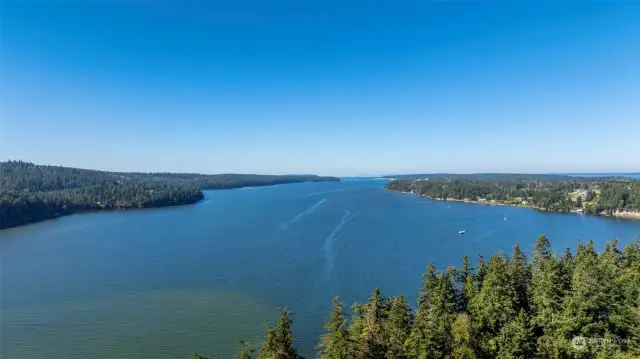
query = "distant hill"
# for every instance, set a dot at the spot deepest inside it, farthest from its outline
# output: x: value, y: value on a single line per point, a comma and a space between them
x: 30, y: 192
x: 484, y: 176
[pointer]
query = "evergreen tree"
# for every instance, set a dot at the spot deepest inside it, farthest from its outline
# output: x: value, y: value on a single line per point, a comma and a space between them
x: 464, y: 338
x: 521, y: 275
x: 495, y: 303
x: 431, y: 335
x: 590, y: 295
x: 566, y: 270
x: 397, y: 328
x: 336, y: 342
x: 246, y: 352
x: 469, y: 291
x: 542, y: 250
x: 516, y: 339
x: 415, y: 346
x: 279, y: 341
x: 547, y: 291
x: 466, y: 280
x: 373, y: 346
x: 356, y: 327
x: 629, y: 282
x: 586, y: 308
x: 579, y: 202
x: 481, y: 272
x: 429, y: 282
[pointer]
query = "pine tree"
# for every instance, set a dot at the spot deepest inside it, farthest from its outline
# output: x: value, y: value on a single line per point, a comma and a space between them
x: 542, y: 250
x: 481, y: 272
x: 356, y: 327
x: 521, y: 275
x: 246, y: 352
x: 397, y: 327
x: 516, y: 339
x: 431, y: 334
x: 566, y: 270
x: 546, y: 294
x: 415, y: 346
x: 587, y: 307
x: 279, y: 341
x: 373, y: 346
x: 495, y: 303
x: 630, y: 286
x: 466, y: 281
x: 464, y: 338
x: 469, y: 291
x: 429, y: 282
x: 336, y: 343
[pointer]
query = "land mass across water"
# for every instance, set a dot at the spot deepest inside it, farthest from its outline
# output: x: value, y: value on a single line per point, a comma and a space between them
x: 30, y: 193
x: 606, y: 196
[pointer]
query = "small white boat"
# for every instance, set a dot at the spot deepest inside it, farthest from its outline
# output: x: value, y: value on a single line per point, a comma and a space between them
x: 462, y: 232
x: 505, y: 216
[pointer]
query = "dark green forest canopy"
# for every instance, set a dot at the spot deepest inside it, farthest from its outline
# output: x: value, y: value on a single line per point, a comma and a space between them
x: 499, y: 177
x: 536, y: 305
x: 29, y: 192
x: 593, y: 195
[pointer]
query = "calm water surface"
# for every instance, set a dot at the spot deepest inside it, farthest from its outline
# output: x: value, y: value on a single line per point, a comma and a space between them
x: 163, y: 283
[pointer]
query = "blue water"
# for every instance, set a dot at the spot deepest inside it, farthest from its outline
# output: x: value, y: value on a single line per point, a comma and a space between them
x: 166, y: 282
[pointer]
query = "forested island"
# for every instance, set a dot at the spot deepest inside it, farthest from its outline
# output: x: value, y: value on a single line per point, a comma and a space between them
x: 31, y: 193
x: 582, y: 304
x: 613, y: 196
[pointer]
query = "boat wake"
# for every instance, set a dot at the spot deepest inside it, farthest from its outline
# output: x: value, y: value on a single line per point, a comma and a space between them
x: 350, y: 188
x: 300, y: 215
x: 327, y: 248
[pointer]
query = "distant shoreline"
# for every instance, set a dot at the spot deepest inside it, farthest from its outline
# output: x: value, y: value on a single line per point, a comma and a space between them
x: 618, y: 214
x: 189, y: 201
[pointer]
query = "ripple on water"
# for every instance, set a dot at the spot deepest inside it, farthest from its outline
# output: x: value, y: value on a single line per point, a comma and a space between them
x: 153, y: 324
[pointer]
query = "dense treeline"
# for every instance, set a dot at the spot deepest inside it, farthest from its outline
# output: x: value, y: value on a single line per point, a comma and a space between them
x: 489, y: 176
x: 580, y: 305
x: 30, y: 193
x: 594, y: 196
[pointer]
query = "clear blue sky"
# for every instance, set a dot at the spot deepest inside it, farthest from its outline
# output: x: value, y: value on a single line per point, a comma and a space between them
x: 329, y: 87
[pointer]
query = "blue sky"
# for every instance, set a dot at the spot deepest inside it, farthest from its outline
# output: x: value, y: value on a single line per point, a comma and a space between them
x: 329, y: 87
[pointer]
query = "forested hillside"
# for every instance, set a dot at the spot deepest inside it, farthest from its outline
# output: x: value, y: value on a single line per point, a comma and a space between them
x: 29, y: 193
x: 593, y: 195
x: 487, y: 176
x: 582, y: 304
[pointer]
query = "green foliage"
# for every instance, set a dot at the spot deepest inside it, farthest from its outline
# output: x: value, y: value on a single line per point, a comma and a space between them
x: 466, y: 281
x: 495, y: 304
x: 246, y: 352
x: 521, y: 277
x: 464, y: 338
x: 336, y: 342
x: 516, y: 339
x: 30, y: 193
x: 430, y: 337
x: 397, y: 328
x: 508, y: 309
x: 553, y: 193
x: 372, y: 338
x: 279, y: 341
x: 546, y: 290
x: 197, y: 356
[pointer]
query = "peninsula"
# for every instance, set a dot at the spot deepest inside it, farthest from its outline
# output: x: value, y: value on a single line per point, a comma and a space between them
x: 31, y: 193
x: 608, y: 196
